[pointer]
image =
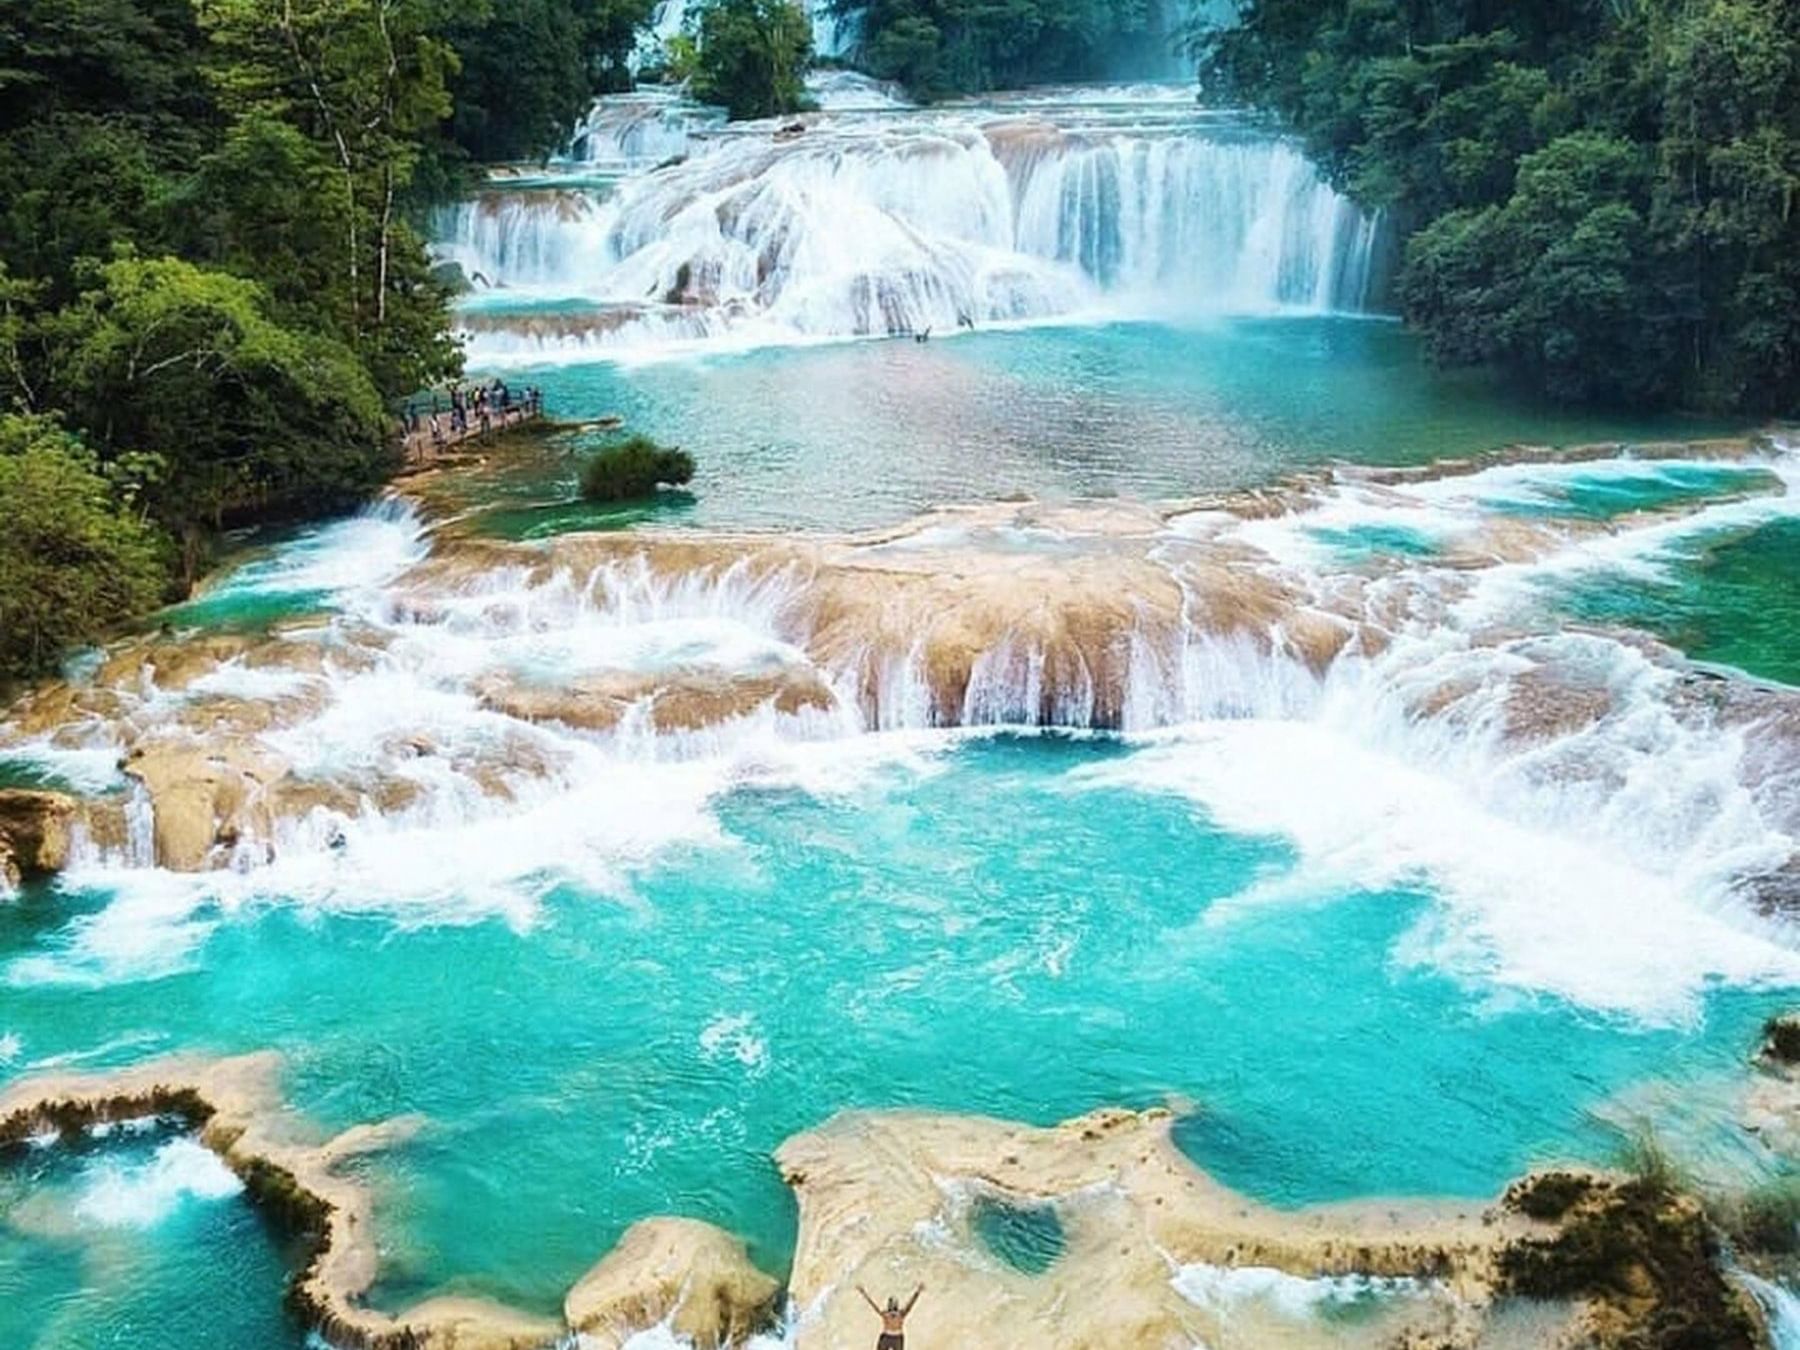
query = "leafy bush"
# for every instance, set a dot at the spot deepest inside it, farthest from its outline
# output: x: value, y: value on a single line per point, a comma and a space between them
x: 267, y: 419
x: 634, y: 468
x: 751, y: 56
x: 75, y: 558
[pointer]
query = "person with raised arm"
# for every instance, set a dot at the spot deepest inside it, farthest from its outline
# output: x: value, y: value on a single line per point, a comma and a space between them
x: 893, y: 1318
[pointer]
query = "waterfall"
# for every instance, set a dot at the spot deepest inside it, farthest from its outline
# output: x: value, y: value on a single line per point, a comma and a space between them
x: 831, y: 36
x: 640, y: 130
x: 1244, y: 224
x: 1780, y: 1305
x: 900, y: 221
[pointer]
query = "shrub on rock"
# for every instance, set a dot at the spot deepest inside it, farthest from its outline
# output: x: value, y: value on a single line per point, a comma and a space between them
x: 634, y: 468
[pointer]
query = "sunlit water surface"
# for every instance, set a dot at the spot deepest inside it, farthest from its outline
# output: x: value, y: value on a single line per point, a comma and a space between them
x: 1004, y: 926
x: 1026, y: 927
x: 859, y: 434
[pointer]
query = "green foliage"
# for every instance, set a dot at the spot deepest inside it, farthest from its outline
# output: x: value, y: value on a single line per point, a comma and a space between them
x: 206, y: 268
x: 943, y: 47
x: 209, y: 266
x: 361, y: 83
x: 82, y: 185
x: 75, y: 557
x: 256, y: 417
x: 135, y: 62
x: 1767, y: 1219
x: 530, y: 69
x: 634, y: 468
x: 751, y: 56
x: 1601, y: 196
x: 680, y: 58
x: 1653, y: 1172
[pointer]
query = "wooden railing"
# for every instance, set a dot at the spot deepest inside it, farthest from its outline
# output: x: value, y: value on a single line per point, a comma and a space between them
x: 427, y: 436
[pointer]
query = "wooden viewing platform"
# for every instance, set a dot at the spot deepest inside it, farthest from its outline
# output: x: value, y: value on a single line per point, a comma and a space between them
x: 432, y: 436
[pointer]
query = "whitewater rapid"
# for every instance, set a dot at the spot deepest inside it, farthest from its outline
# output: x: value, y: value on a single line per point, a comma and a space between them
x: 872, y: 219
x: 454, y: 738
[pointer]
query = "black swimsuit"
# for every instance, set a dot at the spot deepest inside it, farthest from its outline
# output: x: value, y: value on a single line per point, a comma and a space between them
x: 891, y: 1340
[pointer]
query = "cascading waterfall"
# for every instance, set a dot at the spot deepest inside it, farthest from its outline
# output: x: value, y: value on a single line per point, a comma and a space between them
x: 481, y: 702
x: 640, y: 130
x: 1246, y: 224
x: 884, y: 224
x: 1781, y: 1305
x: 831, y: 35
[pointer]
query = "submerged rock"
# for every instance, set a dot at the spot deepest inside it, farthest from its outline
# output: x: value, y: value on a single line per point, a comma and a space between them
x: 34, y: 833
x: 695, y: 1278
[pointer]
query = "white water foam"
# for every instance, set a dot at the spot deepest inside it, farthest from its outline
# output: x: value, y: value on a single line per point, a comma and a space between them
x: 143, y: 1195
x: 873, y: 225
x: 361, y: 551
x: 1512, y: 905
x: 91, y: 766
x: 734, y: 1036
x: 1596, y: 862
x: 662, y: 1336
x: 1780, y: 1304
x: 1220, y: 1289
x: 150, y: 928
x: 1643, y: 553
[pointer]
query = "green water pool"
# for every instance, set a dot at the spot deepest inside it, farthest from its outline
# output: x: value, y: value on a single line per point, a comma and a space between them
x: 858, y: 434
x: 988, y: 929
x: 1731, y: 598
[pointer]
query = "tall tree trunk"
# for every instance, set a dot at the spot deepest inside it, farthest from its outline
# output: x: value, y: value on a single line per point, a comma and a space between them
x: 345, y: 160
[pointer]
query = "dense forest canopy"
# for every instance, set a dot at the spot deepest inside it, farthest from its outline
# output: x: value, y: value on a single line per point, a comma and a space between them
x: 212, y: 283
x: 529, y: 70
x: 749, y: 57
x: 943, y: 47
x: 1601, y: 195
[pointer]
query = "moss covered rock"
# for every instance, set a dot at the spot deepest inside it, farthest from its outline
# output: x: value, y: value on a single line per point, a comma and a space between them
x: 1640, y: 1255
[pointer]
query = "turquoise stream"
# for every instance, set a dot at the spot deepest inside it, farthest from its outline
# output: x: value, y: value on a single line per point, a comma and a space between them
x: 1016, y: 926
x: 859, y: 434
x: 1729, y: 597
x: 981, y: 931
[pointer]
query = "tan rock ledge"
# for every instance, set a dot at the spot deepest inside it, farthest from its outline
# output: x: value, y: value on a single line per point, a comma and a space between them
x: 236, y: 1106
x: 1148, y: 1252
x: 34, y: 833
x: 887, y: 1202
